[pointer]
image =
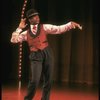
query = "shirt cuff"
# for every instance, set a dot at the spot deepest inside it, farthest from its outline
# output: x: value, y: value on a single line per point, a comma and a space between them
x: 18, y: 30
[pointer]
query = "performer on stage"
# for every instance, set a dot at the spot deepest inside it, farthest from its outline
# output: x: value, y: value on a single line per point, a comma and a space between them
x: 40, y: 52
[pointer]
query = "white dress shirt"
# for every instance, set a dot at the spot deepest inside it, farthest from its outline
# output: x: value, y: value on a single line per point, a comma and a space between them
x: 34, y: 31
x: 49, y: 28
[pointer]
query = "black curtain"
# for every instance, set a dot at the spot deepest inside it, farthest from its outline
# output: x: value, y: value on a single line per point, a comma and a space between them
x: 76, y: 52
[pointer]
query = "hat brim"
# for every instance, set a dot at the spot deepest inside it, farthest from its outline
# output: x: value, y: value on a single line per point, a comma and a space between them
x: 32, y: 15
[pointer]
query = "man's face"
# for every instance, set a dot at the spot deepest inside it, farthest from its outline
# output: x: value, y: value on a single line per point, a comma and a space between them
x: 34, y: 20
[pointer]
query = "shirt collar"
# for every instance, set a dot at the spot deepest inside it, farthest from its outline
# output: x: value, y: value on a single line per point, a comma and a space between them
x: 33, y: 25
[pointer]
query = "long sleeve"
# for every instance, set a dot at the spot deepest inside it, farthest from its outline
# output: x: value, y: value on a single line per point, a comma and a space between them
x: 17, y: 37
x: 54, y: 29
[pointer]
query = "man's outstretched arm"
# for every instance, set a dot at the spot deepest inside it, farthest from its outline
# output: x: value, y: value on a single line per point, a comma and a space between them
x: 54, y: 29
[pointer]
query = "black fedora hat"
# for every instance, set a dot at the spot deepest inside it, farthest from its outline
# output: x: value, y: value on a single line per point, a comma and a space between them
x: 31, y: 12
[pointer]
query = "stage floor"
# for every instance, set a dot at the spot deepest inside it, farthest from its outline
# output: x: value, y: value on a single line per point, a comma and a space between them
x: 57, y: 93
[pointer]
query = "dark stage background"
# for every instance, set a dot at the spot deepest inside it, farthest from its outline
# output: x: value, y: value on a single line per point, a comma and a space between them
x: 76, y: 52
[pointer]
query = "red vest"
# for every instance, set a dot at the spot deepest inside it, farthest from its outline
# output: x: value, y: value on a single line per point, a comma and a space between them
x: 38, y: 41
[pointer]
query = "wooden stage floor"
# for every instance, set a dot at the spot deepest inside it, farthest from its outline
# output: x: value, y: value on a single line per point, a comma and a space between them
x: 11, y: 93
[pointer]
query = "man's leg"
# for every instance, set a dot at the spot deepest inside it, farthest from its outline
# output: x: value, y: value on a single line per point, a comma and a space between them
x: 47, y: 73
x: 47, y: 85
x: 36, y: 68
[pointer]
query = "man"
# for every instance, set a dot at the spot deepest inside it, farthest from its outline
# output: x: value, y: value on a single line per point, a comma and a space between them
x: 40, y: 53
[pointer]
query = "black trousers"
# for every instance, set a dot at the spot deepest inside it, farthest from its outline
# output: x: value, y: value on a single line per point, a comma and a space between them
x: 41, y: 64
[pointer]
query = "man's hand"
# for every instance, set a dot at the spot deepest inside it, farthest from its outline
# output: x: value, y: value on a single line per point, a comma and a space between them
x: 75, y: 25
x: 22, y: 24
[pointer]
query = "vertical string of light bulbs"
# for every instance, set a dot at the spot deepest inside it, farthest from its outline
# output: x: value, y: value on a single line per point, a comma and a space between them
x: 20, y: 48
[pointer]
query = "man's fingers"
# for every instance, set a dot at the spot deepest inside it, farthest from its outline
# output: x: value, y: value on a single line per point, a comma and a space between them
x: 80, y: 27
x: 23, y: 19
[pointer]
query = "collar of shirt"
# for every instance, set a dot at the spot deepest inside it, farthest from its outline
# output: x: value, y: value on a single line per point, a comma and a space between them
x: 31, y: 26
